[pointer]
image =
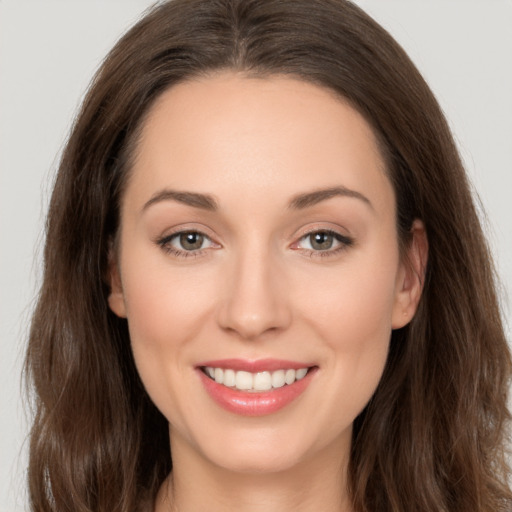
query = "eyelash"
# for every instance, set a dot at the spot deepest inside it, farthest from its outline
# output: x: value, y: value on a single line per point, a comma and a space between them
x: 165, y: 244
x: 344, y: 243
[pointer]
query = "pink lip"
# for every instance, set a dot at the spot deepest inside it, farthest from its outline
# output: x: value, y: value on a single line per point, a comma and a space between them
x: 260, y: 365
x: 246, y: 403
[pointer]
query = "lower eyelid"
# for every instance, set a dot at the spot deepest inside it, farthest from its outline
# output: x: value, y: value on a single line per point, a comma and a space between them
x: 169, y: 249
x: 327, y: 253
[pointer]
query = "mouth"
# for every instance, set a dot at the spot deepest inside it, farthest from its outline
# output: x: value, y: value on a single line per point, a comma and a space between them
x: 255, y: 382
x: 255, y: 388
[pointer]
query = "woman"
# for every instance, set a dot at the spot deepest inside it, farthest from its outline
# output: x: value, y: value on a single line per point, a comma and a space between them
x: 261, y: 267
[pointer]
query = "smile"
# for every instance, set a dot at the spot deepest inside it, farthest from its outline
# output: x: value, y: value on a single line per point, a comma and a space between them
x: 255, y: 388
x: 254, y: 382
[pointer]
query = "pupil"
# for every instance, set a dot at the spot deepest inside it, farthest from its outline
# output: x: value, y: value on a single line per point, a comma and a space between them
x: 321, y: 241
x: 191, y: 241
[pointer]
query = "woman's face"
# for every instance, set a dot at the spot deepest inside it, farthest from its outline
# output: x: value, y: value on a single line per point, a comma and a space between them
x: 258, y: 243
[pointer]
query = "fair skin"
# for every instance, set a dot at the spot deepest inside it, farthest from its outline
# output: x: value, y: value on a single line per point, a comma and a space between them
x: 253, y: 264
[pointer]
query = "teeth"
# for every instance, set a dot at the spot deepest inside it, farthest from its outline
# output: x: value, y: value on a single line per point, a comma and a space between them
x: 300, y: 374
x: 278, y: 379
x: 229, y: 378
x: 289, y: 376
x: 243, y: 380
x: 261, y: 381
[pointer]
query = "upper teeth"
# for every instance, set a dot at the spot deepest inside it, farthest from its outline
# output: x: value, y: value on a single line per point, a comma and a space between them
x: 261, y: 381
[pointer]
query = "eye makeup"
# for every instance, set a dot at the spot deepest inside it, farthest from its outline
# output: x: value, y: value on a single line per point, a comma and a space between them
x: 315, y: 243
x: 323, y: 243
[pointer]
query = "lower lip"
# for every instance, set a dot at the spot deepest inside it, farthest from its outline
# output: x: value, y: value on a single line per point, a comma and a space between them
x: 255, y: 403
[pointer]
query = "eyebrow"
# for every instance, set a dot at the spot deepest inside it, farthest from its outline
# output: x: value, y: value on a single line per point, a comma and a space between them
x: 309, y: 199
x: 299, y: 202
x: 194, y: 199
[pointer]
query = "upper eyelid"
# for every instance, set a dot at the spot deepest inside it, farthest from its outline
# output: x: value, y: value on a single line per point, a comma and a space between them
x: 339, y: 236
x: 167, y: 239
x: 320, y: 230
x: 324, y: 229
x: 177, y: 230
x: 343, y: 242
x: 174, y: 234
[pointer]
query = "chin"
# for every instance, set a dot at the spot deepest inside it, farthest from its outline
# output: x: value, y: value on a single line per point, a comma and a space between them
x: 259, y: 461
x: 265, y: 450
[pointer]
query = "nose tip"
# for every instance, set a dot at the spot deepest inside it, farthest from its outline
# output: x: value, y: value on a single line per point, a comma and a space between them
x: 250, y: 326
x: 254, y: 303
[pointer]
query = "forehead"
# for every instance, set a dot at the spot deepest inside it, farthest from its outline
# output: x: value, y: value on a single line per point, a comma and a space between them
x: 260, y: 134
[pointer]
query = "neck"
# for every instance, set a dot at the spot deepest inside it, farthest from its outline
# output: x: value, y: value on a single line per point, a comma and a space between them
x: 318, y: 483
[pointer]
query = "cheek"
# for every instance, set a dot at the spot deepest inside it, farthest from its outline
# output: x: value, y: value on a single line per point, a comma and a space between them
x: 164, y: 302
x: 353, y: 317
x: 355, y: 306
x: 166, y: 308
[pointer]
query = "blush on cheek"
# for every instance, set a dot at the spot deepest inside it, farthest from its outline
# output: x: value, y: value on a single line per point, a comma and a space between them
x: 166, y: 302
x: 165, y: 310
x: 362, y: 315
x: 356, y: 320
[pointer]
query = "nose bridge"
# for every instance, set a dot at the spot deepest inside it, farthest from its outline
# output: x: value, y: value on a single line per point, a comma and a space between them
x: 254, y: 302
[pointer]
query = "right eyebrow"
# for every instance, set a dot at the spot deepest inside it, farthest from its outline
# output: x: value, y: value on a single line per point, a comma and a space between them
x: 194, y: 199
x: 309, y: 199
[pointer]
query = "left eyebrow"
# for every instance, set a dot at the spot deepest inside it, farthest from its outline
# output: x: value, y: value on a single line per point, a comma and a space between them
x: 302, y: 201
x: 202, y: 201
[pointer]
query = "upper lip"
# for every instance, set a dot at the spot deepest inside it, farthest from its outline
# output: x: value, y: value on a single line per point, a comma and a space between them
x: 255, y: 366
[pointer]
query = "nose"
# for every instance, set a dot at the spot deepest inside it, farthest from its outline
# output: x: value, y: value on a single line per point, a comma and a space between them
x: 255, y: 300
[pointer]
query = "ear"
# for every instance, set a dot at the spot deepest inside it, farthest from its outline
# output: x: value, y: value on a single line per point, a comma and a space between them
x: 411, y: 277
x: 116, y: 300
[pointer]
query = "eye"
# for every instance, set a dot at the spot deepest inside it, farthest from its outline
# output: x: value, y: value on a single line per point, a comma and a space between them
x: 323, y: 242
x: 186, y: 243
x: 189, y: 241
x: 320, y: 241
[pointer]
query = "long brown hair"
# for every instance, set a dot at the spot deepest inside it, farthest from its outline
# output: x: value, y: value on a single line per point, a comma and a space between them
x: 433, y: 437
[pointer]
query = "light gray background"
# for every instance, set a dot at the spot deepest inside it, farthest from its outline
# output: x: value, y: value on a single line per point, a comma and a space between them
x: 48, y: 52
